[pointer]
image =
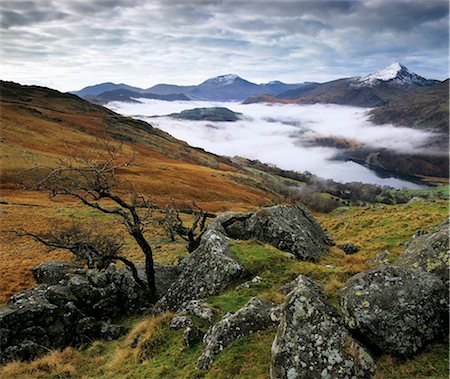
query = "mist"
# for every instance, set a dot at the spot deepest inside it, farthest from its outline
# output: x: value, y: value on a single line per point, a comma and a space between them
x: 281, y: 134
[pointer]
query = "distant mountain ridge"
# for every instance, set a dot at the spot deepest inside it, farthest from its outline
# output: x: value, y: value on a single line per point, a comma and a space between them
x: 228, y: 87
x: 377, y: 89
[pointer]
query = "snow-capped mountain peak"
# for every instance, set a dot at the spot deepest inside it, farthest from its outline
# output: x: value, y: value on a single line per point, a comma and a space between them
x: 394, y: 73
x: 224, y: 79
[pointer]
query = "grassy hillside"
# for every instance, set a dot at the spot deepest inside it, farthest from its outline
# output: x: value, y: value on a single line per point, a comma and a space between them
x: 40, y: 126
x: 161, y: 354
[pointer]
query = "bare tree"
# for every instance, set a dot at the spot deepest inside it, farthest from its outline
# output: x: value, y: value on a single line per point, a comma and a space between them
x: 96, y: 249
x: 191, y: 234
x: 94, y: 180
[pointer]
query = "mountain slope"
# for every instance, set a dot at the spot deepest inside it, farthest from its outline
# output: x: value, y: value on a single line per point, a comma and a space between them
x: 97, y: 89
x: 424, y: 110
x: 377, y: 89
x: 40, y: 126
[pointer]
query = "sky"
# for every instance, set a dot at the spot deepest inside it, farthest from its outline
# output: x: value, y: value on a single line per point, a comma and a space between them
x: 69, y: 44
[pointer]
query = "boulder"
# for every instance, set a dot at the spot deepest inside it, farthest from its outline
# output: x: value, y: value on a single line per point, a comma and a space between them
x: 396, y: 310
x: 348, y: 248
x: 197, y: 308
x: 429, y: 252
x: 312, y: 340
x: 78, y: 309
x: 256, y: 315
x: 53, y: 272
x: 287, y: 227
x: 180, y: 322
x: 205, y: 272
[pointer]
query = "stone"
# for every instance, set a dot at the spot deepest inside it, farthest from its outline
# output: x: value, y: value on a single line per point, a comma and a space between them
x: 197, y: 308
x: 180, y: 322
x: 248, y: 284
x: 53, y: 272
x: 348, y: 248
x: 382, y: 258
x: 395, y: 310
x: 192, y: 335
x: 429, y: 252
x: 290, y: 228
x: 312, y: 340
x: 205, y: 272
x: 255, y: 316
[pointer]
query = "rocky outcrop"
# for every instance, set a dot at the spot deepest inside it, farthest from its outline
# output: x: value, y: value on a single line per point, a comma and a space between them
x: 395, y: 310
x: 205, y: 272
x: 256, y: 315
x: 53, y: 271
x: 80, y: 307
x: 312, y: 340
x: 288, y: 228
x: 429, y: 252
x: 197, y: 308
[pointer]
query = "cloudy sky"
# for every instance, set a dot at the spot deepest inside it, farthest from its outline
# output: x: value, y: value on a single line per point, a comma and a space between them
x: 68, y: 44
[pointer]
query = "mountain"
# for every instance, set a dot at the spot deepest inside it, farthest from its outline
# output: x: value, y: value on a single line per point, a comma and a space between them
x: 395, y: 73
x: 129, y: 96
x: 103, y: 87
x: 229, y: 87
x: 424, y: 110
x: 392, y: 83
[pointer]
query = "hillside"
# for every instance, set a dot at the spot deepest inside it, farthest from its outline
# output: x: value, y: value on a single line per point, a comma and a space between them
x: 377, y: 89
x: 425, y: 110
x: 161, y: 353
x: 40, y: 126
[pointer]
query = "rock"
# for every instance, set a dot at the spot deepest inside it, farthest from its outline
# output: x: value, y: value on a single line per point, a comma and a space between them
x: 429, y: 252
x: 394, y: 309
x: 197, y: 308
x: 288, y: 228
x: 77, y: 309
x: 312, y: 341
x: 205, y: 272
x: 53, y: 272
x: 348, y: 248
x: 180, y: 322
x: 26, y: 350
x: 256, y: 315
x: 192, y: 335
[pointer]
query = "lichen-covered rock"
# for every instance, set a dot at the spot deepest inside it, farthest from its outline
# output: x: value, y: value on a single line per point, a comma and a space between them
x: 256, y: 315
x: 53, y: 272
x: 179, y: 322
x: 312, y: 340
x: 77, y: 309
x: 205, y: 272
x: 287, y: 227
x: 429, y: 252
x: 394, y: 309
x: 197, y: 308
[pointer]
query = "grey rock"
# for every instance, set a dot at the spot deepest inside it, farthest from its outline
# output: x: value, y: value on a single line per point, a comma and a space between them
x: 394, y: 309
x: 348, y: 248
x: 26, y: 350
x: 312, y: 341
x: 53, y: 272
x: 180, y: 322
x: 382, y: 258
x: 288, y: 228
x: 197, y: 308
x: 206, y: 272
x: 429, y: 252
x: 192, y: 335
x: 256, y: 315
